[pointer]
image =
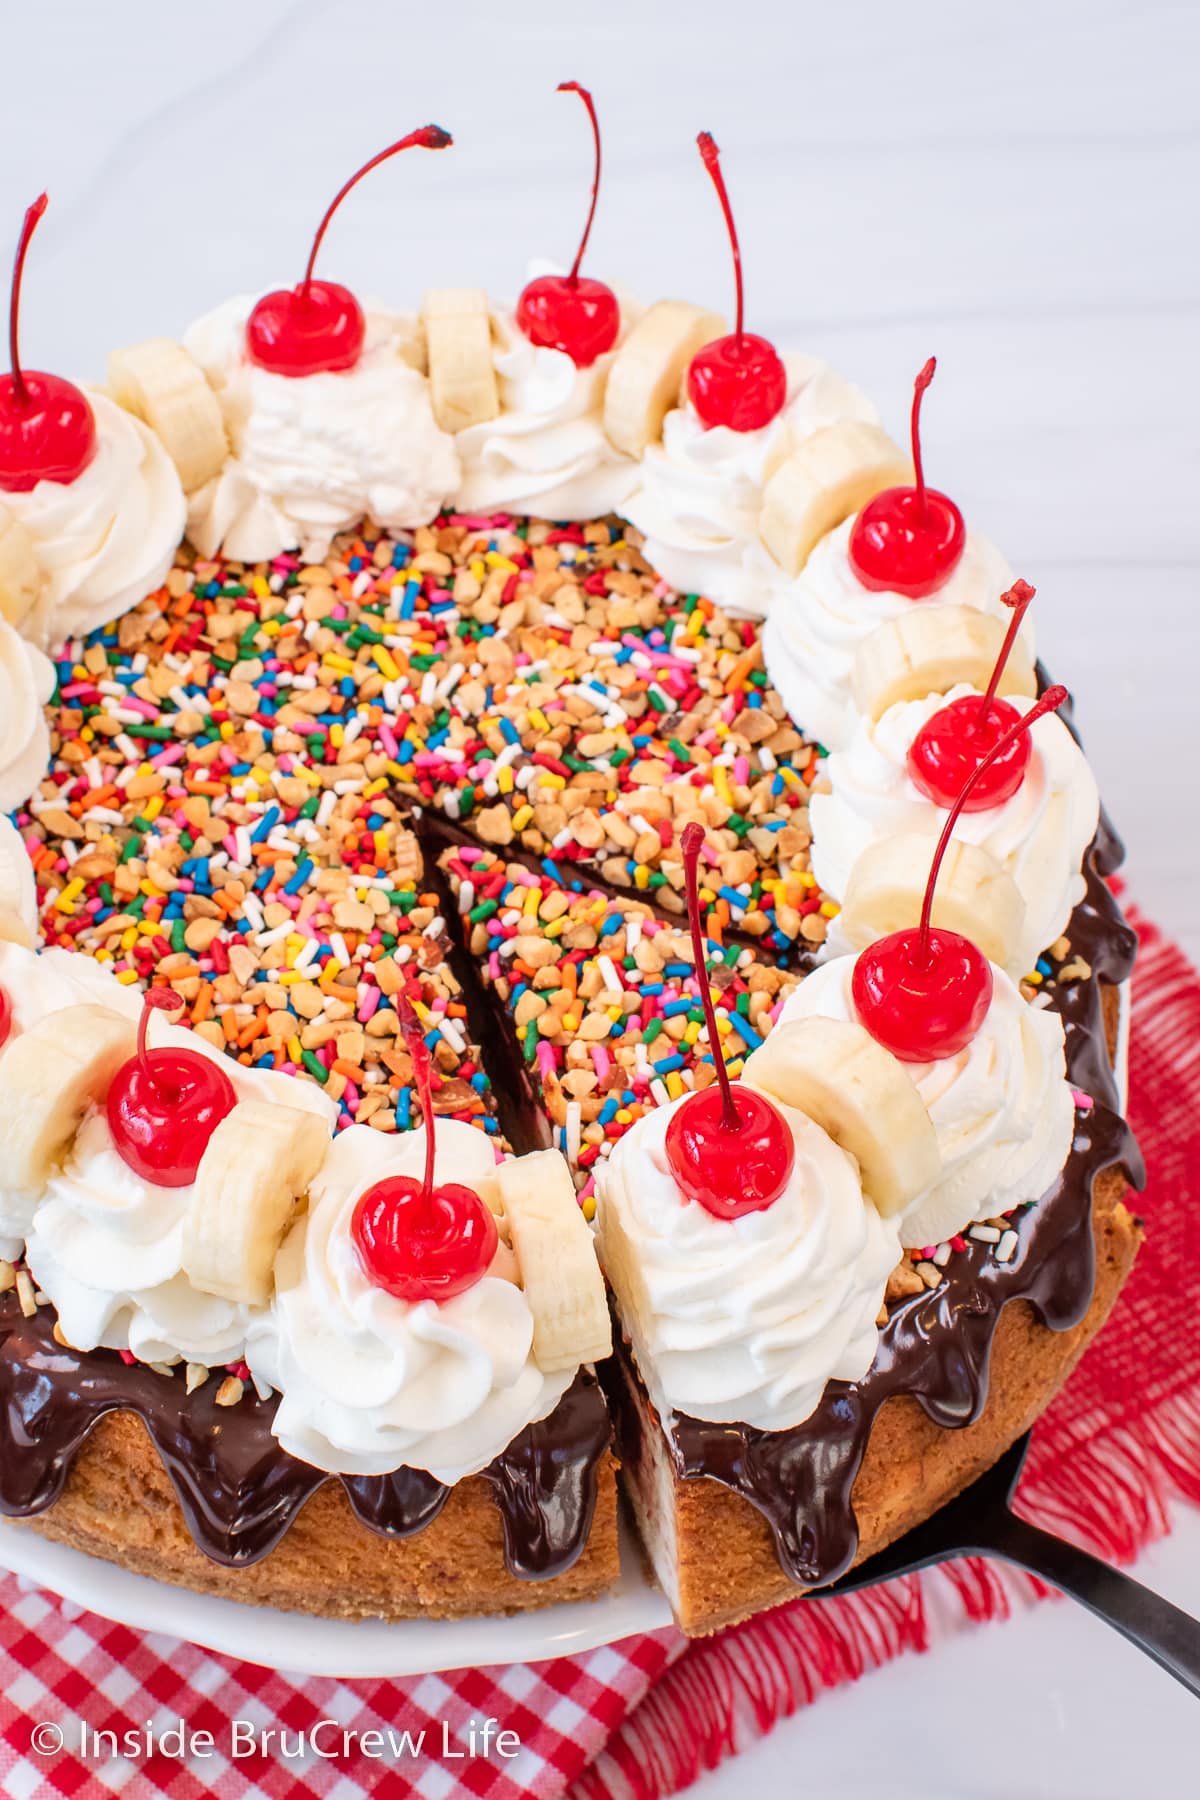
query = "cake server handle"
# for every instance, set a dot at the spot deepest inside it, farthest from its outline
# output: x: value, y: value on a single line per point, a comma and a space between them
x: 1169, y: 1636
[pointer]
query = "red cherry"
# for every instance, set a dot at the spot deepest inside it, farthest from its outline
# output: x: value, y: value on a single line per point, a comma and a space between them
x: 573, y: 313
x: 164, y: 1105
x: 732, y: 1153
x: 909, y: 540
x: 737, y: 381
x: 47, y: 427
x: 318, y: 326
x: 415, y: 1240
x: 951, y: 744
x: 6, y: 1018
x: 924, y: 992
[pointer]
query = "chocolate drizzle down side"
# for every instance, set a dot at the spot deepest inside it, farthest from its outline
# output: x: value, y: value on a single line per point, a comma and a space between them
x: 936, y: 1345
x: 239, y: 1489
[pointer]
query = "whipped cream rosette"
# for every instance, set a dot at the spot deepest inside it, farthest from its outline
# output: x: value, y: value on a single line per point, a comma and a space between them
x: 27, y: 682
x: 745, y: 1318
x: 1002, y: 1109
x: 113, y: 1249
x: 545, y: 451
x: 700, y: 492
x: 811, y: 639
x: 370, y: 1382
x: 1038, y: 835
x: 311, y: 455
x: 106, y: 539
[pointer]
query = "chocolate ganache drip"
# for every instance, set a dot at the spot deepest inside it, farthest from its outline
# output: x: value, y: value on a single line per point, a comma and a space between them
x: 239, y: 1489
x: 936, y: 1345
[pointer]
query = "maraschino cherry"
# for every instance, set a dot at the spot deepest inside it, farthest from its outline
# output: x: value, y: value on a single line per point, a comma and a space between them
x: 6, y: 1018
x: 164, y: 1105
x: 738, y: 381
x: 729, y: 1149
x: 47, y: 427
x: 573, y: 313
x: 909, y: 540
x: 318, y: 326
x: 418, y: 1241
x: 951, y: 745
x: 924, y: 992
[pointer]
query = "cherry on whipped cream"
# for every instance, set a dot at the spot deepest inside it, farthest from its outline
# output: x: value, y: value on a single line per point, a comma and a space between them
x: 729, y: 1150
x: 6, y: 1018
x: 924, y: 992
x: 318, y: 326
x: 738, y: 381
x: 47, y: 426
x: 415, y: 1240
x: 954, y: 741
x: 573, y: 313
x: 909, y: 540
x: 164, y: 1105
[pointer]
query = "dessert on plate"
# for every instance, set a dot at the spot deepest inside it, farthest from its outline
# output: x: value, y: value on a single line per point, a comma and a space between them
x: 495, y: 789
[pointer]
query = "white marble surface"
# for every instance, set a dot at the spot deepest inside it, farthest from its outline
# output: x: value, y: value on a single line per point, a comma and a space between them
x: 1011, y: 187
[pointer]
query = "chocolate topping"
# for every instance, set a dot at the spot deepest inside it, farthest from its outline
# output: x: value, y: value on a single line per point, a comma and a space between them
x: 935, y: 1346
x: 239, y: 1489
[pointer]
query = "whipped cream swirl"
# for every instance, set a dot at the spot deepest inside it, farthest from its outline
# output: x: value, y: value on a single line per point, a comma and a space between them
x: 745, y: 1319
x: 811, y: 637
x: 107, y: 1245
x: 1039, y: 835
x: 27, y: 681
x: 314, y: 454
x: 105, y: 540
x: 700, y: 493
x: 1002, y: 1108
x: 547, y: 452
x: 369, y: 1383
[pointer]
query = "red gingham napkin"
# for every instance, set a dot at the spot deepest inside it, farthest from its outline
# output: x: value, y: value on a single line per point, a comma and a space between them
x: 642, y: 1718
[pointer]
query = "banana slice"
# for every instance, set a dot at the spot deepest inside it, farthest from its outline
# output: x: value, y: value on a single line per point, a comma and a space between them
x: 458, y: 344
x: 18, y: 889
x: 49, y: 1076
x: 930, y: 649
x: 828, y: 476
x: 559, y: 1271
x: 861, y: 1095
x: 647, y: 371
x: 164, y: 387
x: 20, y: 574
x: 975, y: 895
x: 259, y: 1162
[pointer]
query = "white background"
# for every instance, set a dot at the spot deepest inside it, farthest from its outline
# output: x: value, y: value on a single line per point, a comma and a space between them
x: 1014, y: 187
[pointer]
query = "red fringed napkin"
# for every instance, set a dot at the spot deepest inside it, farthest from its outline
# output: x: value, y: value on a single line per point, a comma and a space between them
x: 643, y: 1718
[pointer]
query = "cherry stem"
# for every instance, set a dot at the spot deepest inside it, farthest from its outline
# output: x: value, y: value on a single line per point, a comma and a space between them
x: 162, y: 999
x: 418, y: 1049
x: 1050, y: 701
x: 429, y: 137
x: 919, y: 386
x: 32, y: 215
x: 1019, y: 597
x: 691, y: 842
x: 573, y: 87
x: 711, y: 156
